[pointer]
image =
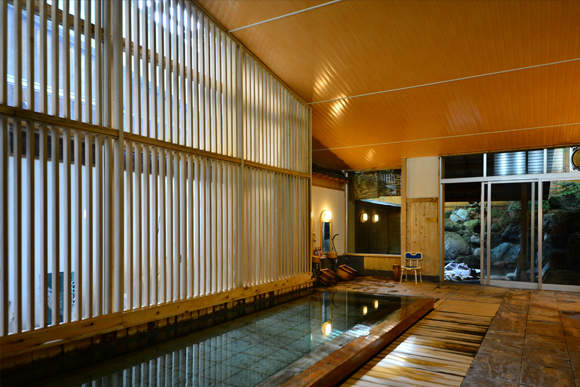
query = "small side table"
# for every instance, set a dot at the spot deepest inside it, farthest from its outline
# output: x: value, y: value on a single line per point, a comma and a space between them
x: 397, y: 272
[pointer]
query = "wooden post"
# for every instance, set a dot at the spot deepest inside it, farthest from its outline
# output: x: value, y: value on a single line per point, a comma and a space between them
x: 403, y: 205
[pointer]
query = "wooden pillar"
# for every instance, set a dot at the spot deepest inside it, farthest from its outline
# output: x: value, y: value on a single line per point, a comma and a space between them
x: 403, y: 205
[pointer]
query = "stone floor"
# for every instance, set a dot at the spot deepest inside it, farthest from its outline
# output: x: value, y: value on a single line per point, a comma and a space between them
x: 534, y: 339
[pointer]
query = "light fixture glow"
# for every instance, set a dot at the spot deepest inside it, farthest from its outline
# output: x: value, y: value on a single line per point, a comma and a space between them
x: 364, y: 217
x: 375, y: 218
x: 365, y: 310
x: 376, y: 304
x: 326, y: 328
x: 326, y: 216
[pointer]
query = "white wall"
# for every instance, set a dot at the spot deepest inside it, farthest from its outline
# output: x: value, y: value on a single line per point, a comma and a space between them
x: 333, y: 200
x: 423, y: 177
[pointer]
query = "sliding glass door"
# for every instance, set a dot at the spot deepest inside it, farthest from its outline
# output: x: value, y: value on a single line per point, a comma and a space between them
x: 560, y: 242
x: 509, y: 233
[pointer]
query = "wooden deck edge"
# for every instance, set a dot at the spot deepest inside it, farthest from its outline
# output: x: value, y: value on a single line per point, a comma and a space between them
x: 17, y: 344
x: 336, y: 367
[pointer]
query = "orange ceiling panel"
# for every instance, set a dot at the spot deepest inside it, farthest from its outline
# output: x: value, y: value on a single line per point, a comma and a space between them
x: 389, y: 155
x: 234, y: 14
x: 444, y: 76
x: 544, y: 96
x: 356, y: 47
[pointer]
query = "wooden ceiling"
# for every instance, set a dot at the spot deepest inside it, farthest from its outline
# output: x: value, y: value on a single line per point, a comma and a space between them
x: 445, y: 77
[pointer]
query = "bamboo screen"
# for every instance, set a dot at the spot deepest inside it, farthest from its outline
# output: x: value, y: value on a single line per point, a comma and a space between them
x: 146, y: 157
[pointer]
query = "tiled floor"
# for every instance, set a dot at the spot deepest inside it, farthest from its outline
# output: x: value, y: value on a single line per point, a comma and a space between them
x: 534, y: 338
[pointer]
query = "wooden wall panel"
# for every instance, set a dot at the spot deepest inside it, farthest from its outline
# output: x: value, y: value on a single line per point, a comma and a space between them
x: 187, y: 189
x: 423, y: 236
x: 380, y: 263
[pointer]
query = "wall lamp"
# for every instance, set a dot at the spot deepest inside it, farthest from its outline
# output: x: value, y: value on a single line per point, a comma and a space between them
x: 364, y: 217
x: 326, y: 216
x: 375, y: 218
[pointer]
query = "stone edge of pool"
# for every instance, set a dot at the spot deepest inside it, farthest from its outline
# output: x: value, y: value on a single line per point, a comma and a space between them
x: 348, y: 356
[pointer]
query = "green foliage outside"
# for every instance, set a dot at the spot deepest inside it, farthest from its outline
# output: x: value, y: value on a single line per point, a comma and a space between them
x: 567, y: 188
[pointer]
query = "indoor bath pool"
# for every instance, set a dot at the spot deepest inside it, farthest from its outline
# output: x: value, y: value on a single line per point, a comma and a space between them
x: 271, y: 347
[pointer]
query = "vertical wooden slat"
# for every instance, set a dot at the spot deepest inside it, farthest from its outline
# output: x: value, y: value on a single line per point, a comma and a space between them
x: 145, y: 68
x: 17, y: 23
x: 161, y: 8
x: 42, y: 47
x: 4, y: 54
x: 107, y: 60
x: 29, y: 56
x: 55, y: 225
x: 128, y: 70
x: 67, y: 299
x: 259, y: 246
x: 118, y: 175
x: 129, y: 227
x: 162, y: 226
x: 154, y: 133
x: 208, y: 253
x: 176, y: 216
x: 196, y: 53
x: 218, y: 224
x: 224, y: 95
x: 135, y: 38
x: 29, y: 200
x: 174, y: 92
x: 183, y: 226
x: 99, y: 257
x: 236, y: 194
x: 227, y: 240
x: 201, y: 225
x: 17, y: 144
x: 206, y: 83
x: 4, y: 223
x: 168, y: 70
x: 267, y: 227
x: 138, y: 237
x: 170, y: 232
x: 218, y: 83
x: 197, y: 217
x: 99, y: 64
x: 154, y: 225
x: 55, y: 97
x: 88, y: 263
x: 182, y: 102
x: 188, y: 28
x: 213, y: 222
x: 146, y: 259
x: 108, y: 257
x: 88, y: 64
x: 190, y: 223
x: 77, y: 216
x: 77, y: 61
x: 212, y: 88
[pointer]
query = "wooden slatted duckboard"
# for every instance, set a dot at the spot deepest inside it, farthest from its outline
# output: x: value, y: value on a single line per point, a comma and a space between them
x: 436, y: 351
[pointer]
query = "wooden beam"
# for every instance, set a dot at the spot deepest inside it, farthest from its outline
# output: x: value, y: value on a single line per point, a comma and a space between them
x: 422, y: 200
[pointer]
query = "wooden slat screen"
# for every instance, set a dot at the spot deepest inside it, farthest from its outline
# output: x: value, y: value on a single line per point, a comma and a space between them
x: 167, y: 164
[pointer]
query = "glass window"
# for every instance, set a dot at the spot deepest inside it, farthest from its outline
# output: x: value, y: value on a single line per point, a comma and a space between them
x: 375, y: 212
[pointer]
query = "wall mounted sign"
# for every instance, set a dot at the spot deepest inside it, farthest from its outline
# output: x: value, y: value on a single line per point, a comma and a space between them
x: 432, y: 220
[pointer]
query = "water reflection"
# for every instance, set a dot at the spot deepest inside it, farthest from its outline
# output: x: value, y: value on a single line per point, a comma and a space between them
x: 248, y: 350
